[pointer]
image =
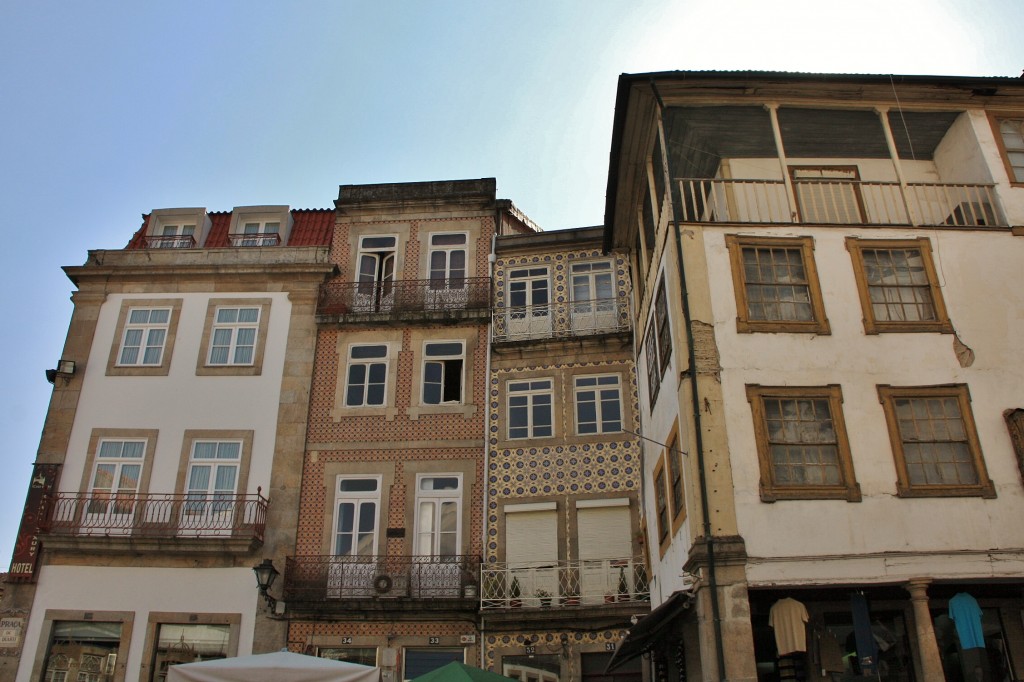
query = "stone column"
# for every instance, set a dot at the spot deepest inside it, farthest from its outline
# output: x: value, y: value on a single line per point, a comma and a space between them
x: 927, y: 647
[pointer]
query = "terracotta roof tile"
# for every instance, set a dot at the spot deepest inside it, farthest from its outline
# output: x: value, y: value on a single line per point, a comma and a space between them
x: 312, y: 227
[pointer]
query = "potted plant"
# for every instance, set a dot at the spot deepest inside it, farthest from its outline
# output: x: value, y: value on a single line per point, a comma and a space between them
x: 515, y: 594
x: 544, y: 596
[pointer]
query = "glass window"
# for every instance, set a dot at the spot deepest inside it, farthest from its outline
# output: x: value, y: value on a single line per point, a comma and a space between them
x: 675, y: 479
x: 366, y: 379
x: 355, y: 521
x: 212, y: 479
x: 447, y: 261
x: 187, y: 643
x: 661, y: 503
x: 529, y: 409
x: 776, y: 285
x: 802, y: 445
x: 664, y: 330
x: 82, y: 650
x: 256, y: 233
x: 438, y: 517
x: 375, y: 274
x: 653, y: 372
x: 233, y: 338
x: 145, y: 333
x: 115, y: 480
x: 935, y: 441
x: 898, y: 286
x: 362, y: 655
x: 422, y: 661
x: 598, y: 404
x: 1011, y: 135
x: 442, y: 372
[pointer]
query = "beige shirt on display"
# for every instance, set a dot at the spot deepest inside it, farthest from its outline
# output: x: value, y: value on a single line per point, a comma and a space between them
x: 788, y: 618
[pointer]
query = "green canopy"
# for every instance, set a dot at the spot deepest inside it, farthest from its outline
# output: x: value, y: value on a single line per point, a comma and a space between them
x: 460, y: 672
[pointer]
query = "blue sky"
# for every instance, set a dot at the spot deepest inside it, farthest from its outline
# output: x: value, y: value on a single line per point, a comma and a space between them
x: 111, y: 109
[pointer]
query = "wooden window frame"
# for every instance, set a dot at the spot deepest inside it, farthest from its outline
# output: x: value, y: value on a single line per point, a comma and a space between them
x: 887, y: 395
x: 744, y: 325
x: 994, y: 118
x: 677, y: 507
x: 663, y: 527
x: 856, y: 246
x: 848, y: 489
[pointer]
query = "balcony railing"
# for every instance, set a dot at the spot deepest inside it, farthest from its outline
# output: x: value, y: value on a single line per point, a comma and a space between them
x: 177, y: 241
x: 255, y: 239
x: 561, y: 320
x: 385, y: 299
x: 325, y: 578
x: 156, y: 516
x: 564, y: 583
x: 838, y: 202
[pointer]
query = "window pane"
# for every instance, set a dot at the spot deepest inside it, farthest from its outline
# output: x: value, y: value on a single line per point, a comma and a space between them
x: 360, y: 352
x: 358, y: 485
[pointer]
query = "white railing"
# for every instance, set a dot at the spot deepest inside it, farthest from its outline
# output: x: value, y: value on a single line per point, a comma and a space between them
x: 838, y: 202
x: 561, y: 319
x: 563, y: 583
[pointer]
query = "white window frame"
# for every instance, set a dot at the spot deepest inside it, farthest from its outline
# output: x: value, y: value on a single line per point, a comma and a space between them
x: 146, y: 331
x: 234, y: 328
x: 534, y: 388
x: 259, y: 233
x: 115, y: 492
x: 214, y: 502
x: 446, y: 282
x: 356, y: 498
x: 444, y: 361
x: 598, y: 389
x: 368, y: 363
x: 434, y: 500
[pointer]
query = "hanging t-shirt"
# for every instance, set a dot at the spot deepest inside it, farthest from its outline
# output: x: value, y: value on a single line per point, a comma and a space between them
x: 965, y: 612
x: 788, y: 618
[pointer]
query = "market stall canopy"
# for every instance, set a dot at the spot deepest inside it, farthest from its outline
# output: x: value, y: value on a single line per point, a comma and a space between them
x: 280, y: 666
x: 650, y: 629
x: 460, y: 672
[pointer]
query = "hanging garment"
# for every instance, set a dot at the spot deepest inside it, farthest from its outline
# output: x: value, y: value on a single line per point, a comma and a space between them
x: 966, y: 614
x: 788, y: 618
x: 867, y: 648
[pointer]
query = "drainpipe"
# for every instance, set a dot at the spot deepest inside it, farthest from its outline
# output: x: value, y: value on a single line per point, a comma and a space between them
x: 491, y: 259
x: 716, y: 610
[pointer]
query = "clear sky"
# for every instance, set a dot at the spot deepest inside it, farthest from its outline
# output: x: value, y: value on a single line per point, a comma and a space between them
x: 111, y: 109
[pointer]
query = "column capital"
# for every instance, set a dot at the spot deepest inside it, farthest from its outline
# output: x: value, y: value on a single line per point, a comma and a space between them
x: 918, y: 588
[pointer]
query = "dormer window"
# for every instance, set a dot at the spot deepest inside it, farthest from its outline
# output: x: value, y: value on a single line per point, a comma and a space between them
x: 259, y: 226
x: 177, y: 228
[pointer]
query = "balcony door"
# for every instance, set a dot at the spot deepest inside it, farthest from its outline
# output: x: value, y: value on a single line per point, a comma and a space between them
x: 593, y: 297
x: 531, y: 550
x: 375, y: 274
x: 353, y: 570
x: 529, y: 309
x: 447, y: 260
x: 828, y: 195
x: 606, y: 562
x: 437, y: 566
x: 212, y: 479
x: 111, y: 505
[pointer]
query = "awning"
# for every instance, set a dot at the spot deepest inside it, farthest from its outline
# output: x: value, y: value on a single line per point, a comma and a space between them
x: 649, y: 629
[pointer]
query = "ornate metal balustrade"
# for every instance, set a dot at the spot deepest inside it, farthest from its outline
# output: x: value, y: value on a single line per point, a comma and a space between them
x: 376, y: 300
x: 178, y: 241
x: 838, y: 202
x: 324, y: 578
x: 564, y: 319
x: 564, y: 583
x: 255, y: 239
x: 185, y: 516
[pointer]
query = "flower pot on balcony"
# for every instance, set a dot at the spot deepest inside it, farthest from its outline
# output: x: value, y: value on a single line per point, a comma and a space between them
x: 609, y: 598
x: 571, y: 600
x: 470, y: 591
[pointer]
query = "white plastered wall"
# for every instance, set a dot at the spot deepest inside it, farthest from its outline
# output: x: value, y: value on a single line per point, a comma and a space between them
x: 895, y: 538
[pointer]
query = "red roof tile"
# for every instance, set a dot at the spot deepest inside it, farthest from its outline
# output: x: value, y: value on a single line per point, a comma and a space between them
x: 310, y: 227
x: 220, y: 223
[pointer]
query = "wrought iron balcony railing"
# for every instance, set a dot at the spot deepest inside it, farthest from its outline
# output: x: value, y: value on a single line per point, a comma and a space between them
x: 838, y: 202
x: 399, y: 297
x: 325, y: 578
x: 564, y: 583
x: 255, y: 239
x: 563, y: 319
x: 156, y: 516
x: 177, y: 241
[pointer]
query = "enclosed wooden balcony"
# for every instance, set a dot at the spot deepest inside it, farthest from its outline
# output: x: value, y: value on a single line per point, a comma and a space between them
x: 104, y: 522
x: 428, y: 300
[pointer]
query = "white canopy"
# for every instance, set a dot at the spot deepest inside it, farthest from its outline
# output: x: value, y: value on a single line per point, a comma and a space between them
x: 280, y: 666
